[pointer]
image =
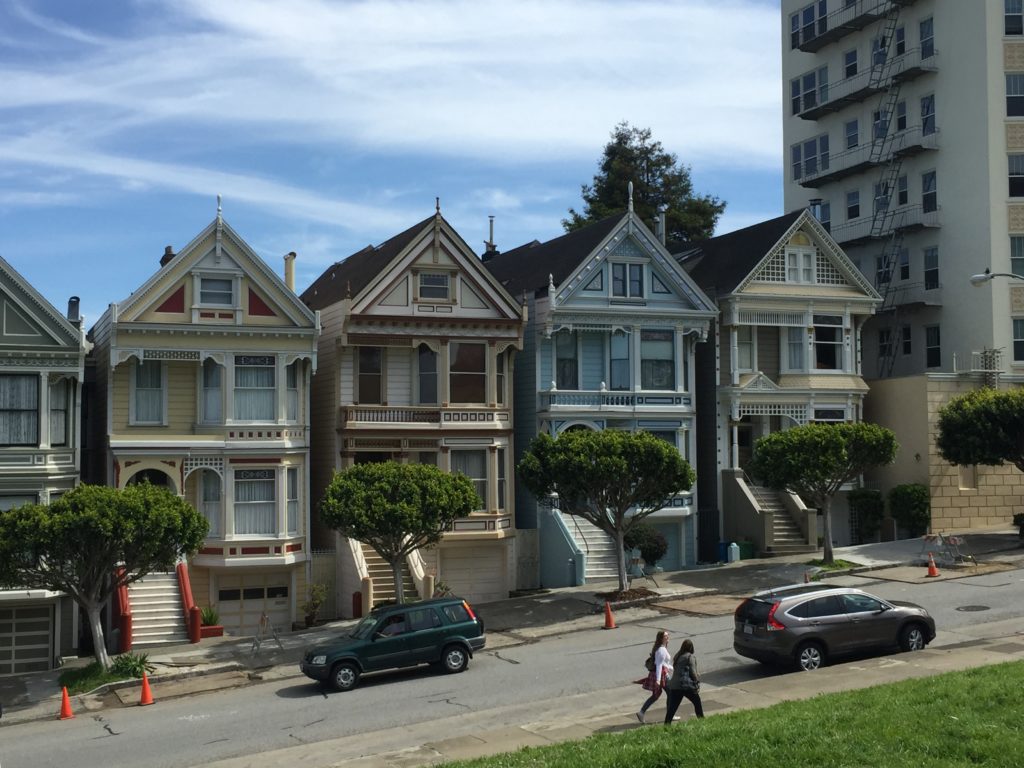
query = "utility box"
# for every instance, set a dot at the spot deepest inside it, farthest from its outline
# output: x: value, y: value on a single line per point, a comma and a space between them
x: 734, y: 552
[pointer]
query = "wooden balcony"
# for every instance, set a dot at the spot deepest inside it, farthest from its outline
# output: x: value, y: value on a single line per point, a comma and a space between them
x: 423, y: 417
x: 603, y: 401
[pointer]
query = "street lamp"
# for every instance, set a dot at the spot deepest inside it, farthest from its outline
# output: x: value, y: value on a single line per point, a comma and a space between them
x: 984, y: 277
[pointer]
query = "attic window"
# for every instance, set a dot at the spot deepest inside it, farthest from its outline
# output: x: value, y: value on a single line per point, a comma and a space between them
x: 217, y: 291
x: 434, y: 286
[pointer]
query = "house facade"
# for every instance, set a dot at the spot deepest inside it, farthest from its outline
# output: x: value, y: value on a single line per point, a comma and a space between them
x: 42, y: 354
x: 201, y: 385
x: 610, y: 342
x: 787, y: 352
x: 416, y: 364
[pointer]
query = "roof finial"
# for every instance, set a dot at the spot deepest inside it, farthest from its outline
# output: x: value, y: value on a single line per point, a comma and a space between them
x: 437, y: 204
x: 631, y: 197
x: 218, y: 206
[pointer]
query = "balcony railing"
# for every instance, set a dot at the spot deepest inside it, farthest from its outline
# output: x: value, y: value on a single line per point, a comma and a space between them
x: 483, y: 522
x: 609, y: 400
x: 839, y: 166
x: 906, y: 217
x: 426, y: 416
x: 838, y: 24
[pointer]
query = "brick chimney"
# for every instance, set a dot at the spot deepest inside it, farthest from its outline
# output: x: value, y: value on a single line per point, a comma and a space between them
x: 168, y: 255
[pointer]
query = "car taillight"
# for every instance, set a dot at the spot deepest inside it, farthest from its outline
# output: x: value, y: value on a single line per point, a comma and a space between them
x: 472, y: 616
x: 740, y: 607
x: 772, y: 624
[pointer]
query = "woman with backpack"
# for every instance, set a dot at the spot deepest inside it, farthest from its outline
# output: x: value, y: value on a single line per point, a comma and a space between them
x: 685, y: 682
x: 659, y: 669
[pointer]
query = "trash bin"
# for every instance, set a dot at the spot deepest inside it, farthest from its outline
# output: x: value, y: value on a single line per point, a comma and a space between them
x: 734, y: 552
x: 723, y: 551
x: 746, y: 550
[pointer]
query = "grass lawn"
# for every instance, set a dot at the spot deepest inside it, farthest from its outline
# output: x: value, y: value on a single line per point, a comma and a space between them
x: 957, y: 719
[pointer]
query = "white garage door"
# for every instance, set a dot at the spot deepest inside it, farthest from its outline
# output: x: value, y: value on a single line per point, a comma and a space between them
x: 26, y: 636
x: 241, y: 600
x: 477, y: 574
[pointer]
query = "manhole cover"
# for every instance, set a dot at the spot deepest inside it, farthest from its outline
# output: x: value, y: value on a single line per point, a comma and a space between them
x: 972, y: 608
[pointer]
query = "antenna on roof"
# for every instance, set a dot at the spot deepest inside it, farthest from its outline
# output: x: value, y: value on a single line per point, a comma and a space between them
x: 630, y: 188
x: 220, y: 226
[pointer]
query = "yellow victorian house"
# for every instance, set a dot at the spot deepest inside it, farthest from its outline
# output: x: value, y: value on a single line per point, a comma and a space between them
x: 201, y: 385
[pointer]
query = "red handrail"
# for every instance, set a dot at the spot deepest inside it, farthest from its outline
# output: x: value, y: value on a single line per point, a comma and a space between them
x: 192, y: 612
x: 124, y: 619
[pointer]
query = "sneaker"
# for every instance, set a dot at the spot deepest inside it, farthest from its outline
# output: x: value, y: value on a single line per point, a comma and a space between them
x: 640, y: 716
x: 677, y: 717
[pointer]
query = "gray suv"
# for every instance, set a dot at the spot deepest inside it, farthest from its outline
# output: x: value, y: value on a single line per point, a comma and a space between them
x: 806, y: 624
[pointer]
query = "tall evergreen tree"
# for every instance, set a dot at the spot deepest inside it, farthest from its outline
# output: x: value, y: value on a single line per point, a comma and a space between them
x: 659, y: 183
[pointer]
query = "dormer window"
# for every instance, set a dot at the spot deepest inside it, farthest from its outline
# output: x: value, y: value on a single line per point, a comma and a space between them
x: 434, y: 286
x: 799, y: 265
x: 216, y: 291
x: 628, y: 281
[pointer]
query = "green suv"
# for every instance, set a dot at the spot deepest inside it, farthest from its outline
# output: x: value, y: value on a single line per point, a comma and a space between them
x: 442, y: 632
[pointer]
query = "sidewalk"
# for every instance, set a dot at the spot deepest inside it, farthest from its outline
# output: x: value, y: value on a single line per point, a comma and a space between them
x: 217, y: 663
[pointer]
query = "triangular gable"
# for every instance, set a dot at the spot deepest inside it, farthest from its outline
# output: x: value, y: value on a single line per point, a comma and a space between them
x: 27, y: 319
x: 758, y: 381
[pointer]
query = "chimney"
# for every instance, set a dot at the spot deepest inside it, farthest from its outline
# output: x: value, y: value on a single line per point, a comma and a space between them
x: 168, y: 255
x: 289, y: 270
x: 73, y: 315
x: 490, y: 250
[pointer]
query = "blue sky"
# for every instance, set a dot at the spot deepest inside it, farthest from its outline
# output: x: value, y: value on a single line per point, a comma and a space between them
x: 330, y: 125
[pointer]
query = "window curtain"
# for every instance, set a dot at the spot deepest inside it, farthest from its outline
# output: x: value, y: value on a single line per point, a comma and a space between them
x: 254, y: 503
x: 293, y: 500
x: 254, y: 393
x: 212, y: 502
x: 473, y: 464
x: 213, y: 396
x: 19, y: 410
x: 149, y: 393
x: 59, y: 413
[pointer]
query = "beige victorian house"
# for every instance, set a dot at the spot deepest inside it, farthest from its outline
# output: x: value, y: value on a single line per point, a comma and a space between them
x: 416, y: 365
x: 202, y: 380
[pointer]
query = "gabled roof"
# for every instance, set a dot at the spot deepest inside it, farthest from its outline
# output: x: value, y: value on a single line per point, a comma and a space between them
x: 526, y: 269
x: 346, y: 278
x: 720, y: 264
x: 51, y: 322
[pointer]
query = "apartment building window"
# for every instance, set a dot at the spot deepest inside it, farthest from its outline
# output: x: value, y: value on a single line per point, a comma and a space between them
x: 213, y: 392
x: 928, y: 114
x: 850, y: 63
x: 1015, y: 95
x: 808, y: 90
x: 745, y: 348
x: 879, y: 123
x: 255, y: 502
x: 468, y: 377
x: 799, y: 266
x: 1013, y: 19
x: 810, y: 156
x: 292, y: 483
x: 657, y: 359
x: 434, y: 286
x: 903, y: 260
x: 931, y: 267
x: 149, y: 392
x: 828, y: 342
x: 216, y: 291
x: 369, y: 375
x: 884, y: 342
x: 628, y: 281
x: 808, y: 23
x: 878, y: 51
x: 60, y: 403
x: 1016, y: 175
x: 210, y: 487
x: 929, y: 192
x: 905, y: 339
x: 473, y: 464
x: 852, y: 204
x: 255, y: 392
x: 881, y: 196
x: 291, y: 378
x: 900, y: 40
x: 901, y: 116
x: 796, y: 341
x: 1018, y: 340
x: 426, y: 375
x: 902, y: 191
x: 1017, y: 254
x: 19, y: 409
x: 927, y: 28
x: 825, y: 215
x: 932, y: 347
x: 883, y: 270
x: 618, y: 361
x: 567, y: 374
x: 852, y: 131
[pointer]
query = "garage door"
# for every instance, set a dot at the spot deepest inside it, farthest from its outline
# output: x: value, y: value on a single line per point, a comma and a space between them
x: 241, y: 600
x: 672, y: 561
x: 476, y: 574
x: 26, y: 636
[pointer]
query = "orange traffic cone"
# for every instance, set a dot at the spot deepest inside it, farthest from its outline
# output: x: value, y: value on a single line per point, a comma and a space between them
x: 65, y: 706
x: 147, y: 696
x: 932, y: 570
x: 609, y: 620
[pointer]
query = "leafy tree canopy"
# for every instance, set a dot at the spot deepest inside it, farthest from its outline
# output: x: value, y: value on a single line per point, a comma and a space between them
x: 75, y: 544
x: 815, y: 460
x: 985, y: 426
x: 613, y: 479
x: 659, y: 183
x: 396, y: 508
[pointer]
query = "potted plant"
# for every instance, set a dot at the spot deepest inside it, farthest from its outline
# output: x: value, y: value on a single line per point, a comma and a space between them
x: 311, y: 608
x: 210, y: 622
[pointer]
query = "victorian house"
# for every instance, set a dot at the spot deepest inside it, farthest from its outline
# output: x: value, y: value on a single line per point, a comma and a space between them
x: 416, y: 364
x: 613, y: 326
x: 202, y: 380
x: 787, y: 351
x: 42, y: 355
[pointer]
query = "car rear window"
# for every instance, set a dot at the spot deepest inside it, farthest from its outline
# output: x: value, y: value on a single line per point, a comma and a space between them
x: 752, y: 611
x: 456, y: 613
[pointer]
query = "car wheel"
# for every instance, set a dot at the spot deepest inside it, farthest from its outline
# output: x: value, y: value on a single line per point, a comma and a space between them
x: 912, y: 638
x: 810, y: 656
x: 454, y: 658
x: 345, y: 676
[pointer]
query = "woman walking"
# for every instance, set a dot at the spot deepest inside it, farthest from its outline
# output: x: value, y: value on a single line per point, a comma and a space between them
x: 685, y: 682
x: 660, y: 666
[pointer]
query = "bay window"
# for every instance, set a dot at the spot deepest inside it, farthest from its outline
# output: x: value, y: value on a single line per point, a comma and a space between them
x: 292, y: 480
x: 60, y: 399
x: 796, y: 341
x: 255, y: 388
x: 468, y: 377
x: 212, y: 402
x: 255, y: 502
x: 473, y: 464
x: 828, y: 342
x: 211, y: 502
x: 292, y: 391
x: 745, y: 348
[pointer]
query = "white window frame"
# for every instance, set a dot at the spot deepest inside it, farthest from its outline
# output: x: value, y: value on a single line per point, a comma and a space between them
x: 260, y: 475
x: 745, y: 347
x: 632, y: 280
x: 614, y: 383
x: 649, y: 384
x: 808, y: 90
x: 1017, y: 326
x: 1017, y: 254
x: 928, y: 114
x: 211, y: 500
x: 208, y: 294
x: 838, y: 344
x: 794, y: 345
x: 931, y: 268
x: 479, y: 483
x: 239, y: 363
x: 293, y: 492
x: 209, y: 393
x: 800, y: 265
x: 929, y: 192
x: 566, y: 341
x: 60, y: 410
x: 435, y: 292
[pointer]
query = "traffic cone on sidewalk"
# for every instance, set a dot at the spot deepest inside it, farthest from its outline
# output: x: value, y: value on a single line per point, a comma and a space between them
x: 932, y: 570
x: 147, y: 695
x: 609, y: 620
x: 65, y: 706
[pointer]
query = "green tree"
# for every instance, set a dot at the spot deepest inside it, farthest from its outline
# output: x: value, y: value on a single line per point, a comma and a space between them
x: 660, y: 183
x: 816, y: 460
x: 985, y: 426
x: 911, y: 507
x: 95, y: 539
x: 396, y: 508
x: 611, y: 478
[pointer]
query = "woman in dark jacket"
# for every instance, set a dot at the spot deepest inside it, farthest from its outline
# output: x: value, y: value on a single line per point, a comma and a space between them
x: 685, y: 682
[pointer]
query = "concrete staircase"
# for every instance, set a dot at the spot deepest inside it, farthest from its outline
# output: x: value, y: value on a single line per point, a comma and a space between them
x: 789, y: 539
x: 598, y: 546
x: 383, y: 580
x: 158, y: 617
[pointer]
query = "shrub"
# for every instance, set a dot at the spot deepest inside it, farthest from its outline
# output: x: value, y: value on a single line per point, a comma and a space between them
x: 870, y: 508
x: 317, y: 596
x: 209, y: 616
x: 910, y: 506
x: 131, y: 665
x: 649, y: 540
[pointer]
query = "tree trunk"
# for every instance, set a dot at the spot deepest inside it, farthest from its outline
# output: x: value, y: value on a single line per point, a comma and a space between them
x: 826, y: 520
x: 620, y: 541
x: 396, y: 574
x: 99, y: 645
